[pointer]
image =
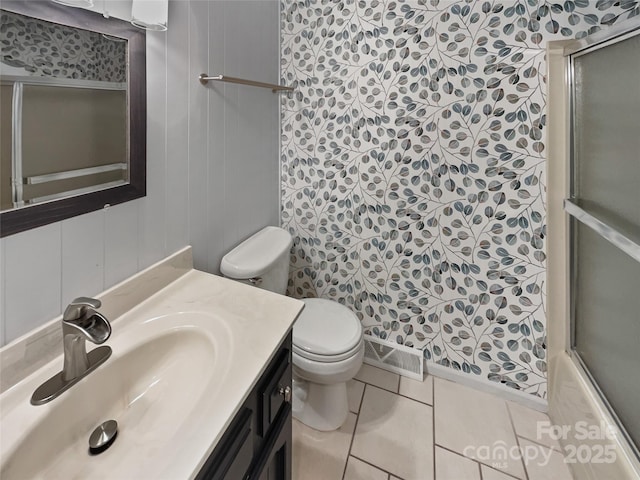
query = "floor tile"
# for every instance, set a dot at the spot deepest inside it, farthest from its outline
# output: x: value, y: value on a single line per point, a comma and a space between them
x: 526, y: 420
x: 321, y: 455
x: 451, y: 466
x: 355, y: 389
x: 395, y: 434
x: 378, y: 377
x: 421, y: 391
x: 489, y: 473
x: 475, y: 424
x: 358, y: 470
x: 543, y: 463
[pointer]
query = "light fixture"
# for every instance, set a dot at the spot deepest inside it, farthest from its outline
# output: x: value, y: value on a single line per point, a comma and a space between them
x: 75, y: 3
x: 150, y: 14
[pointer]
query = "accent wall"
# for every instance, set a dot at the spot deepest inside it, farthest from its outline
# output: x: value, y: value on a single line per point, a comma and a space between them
x: 413, y: 170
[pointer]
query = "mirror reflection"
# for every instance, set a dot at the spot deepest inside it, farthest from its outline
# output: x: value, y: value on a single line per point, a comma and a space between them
x: 64, y: 111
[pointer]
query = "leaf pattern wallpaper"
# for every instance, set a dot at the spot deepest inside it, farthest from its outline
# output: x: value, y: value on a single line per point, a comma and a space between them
x: 47, y: 49
x: 413, y: 169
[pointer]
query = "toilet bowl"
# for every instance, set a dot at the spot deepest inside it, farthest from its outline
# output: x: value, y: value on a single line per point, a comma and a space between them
x: 327, y: 353
x: 327, y: 336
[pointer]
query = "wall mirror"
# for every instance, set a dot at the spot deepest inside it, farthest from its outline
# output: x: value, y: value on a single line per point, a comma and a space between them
x: 73, y: 113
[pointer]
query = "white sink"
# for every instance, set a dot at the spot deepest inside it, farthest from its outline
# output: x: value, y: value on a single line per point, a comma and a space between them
x: 160, y: 385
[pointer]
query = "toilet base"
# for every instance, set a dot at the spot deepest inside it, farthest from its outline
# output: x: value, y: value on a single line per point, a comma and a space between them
x: 321, y: 407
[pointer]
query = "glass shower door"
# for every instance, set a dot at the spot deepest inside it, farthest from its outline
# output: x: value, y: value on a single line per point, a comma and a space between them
x: 604, y: 209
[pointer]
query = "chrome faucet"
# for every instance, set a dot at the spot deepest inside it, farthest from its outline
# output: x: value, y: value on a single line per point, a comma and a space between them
x: 80, y: 322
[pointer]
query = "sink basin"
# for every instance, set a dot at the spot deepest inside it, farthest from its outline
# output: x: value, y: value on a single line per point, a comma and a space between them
x: 159, y: 385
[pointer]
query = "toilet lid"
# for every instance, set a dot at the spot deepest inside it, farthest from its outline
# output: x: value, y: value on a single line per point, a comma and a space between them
x: 326, y: 327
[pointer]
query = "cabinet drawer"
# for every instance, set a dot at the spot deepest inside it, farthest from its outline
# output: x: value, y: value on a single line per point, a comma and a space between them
x: 276, y: 390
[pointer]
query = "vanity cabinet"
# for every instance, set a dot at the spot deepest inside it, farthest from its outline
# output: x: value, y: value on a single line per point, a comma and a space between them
x: 257, y: 444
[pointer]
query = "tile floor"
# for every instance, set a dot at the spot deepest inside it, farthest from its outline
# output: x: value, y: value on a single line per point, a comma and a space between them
x: 401, y: 429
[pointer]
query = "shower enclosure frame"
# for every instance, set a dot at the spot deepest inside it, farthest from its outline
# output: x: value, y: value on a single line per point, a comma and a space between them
x: 574, y: 396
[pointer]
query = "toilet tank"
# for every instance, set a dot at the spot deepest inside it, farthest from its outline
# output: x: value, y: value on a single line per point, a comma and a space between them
x: 261, y: 260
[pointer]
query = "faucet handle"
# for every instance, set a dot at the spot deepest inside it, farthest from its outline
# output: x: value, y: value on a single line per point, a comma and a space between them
x: 78, y: 307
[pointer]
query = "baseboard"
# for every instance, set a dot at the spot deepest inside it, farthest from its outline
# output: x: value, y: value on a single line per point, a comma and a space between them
x: 484, y: 385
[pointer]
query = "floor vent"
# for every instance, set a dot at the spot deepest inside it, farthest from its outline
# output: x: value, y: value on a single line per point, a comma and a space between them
x: 394, y: 357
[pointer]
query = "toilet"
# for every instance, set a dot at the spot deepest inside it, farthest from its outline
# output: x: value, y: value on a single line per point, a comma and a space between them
x: 328, y: 345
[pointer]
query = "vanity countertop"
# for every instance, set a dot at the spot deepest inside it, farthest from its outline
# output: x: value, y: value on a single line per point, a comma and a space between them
x: 251, y: 325
x: 258, y: 321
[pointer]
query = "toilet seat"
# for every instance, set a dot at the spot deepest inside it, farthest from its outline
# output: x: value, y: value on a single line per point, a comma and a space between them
x: 326, y: 331
x: 316, y: 357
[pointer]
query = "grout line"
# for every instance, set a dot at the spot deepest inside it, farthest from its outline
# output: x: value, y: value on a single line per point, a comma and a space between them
x: 378, y: 386
x: 450, y: 450
x: 353, y: 435
x: 429, y: 377
x: 374, y: 385
x: 513, y: 428
x: 364, y: 385
x: 480, y: 464
x: 375, y: 466
x: 477, y: 462
x: 537, y: 442
x: 397, y: 390
x: 416, y: 400
x: 396, y: 393
x: 407, y: 397
x: 499, y: 471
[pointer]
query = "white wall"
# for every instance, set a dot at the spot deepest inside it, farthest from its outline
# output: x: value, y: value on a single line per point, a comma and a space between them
x: 212, y: 168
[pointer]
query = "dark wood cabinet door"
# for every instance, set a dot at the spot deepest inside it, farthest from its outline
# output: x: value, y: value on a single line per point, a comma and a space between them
x: 274, y: 461
x: 257, y: 445
x: 280, y: 466
x: 230, y: 461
